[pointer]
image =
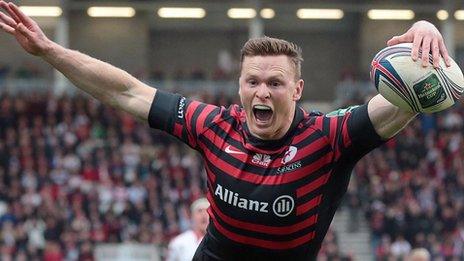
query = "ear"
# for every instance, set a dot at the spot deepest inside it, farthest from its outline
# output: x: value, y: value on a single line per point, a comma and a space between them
x: 298, y: 92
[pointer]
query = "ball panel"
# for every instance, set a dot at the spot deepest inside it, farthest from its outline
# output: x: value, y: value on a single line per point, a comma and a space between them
x: 454, y: 78
x: 412, y: 87
x: 393, y: 97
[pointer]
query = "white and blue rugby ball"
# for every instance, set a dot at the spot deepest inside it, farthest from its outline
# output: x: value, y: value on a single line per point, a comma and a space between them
x: 412, y: 87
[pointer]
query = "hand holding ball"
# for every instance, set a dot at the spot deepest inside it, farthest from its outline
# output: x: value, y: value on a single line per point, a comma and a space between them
x: 412, y: 87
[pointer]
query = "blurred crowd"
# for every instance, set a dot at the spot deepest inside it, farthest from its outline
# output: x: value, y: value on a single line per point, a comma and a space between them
x: 412, y: 189
x: 27, y: 70
x: 24, y: 71
x: 74, y: 173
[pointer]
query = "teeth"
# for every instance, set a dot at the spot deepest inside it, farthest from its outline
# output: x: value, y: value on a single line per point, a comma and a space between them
x: 262, y: 107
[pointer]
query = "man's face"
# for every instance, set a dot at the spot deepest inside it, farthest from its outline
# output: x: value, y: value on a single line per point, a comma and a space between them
x: 200, y: 219
x: 268, y: 92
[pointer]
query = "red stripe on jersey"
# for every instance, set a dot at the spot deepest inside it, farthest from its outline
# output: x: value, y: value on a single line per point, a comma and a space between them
x: 301, y: 209
x: 319, y: 122
x: 177, y: 130
x: 334, y: 136
x: 190, y: 111
x: 272, y: 230
x: 333, y: 130
x: 230, y: 132
x: 306, y: 151
x: 313, y: 167
x: 300, y: 192
x: 260, y: 179
x: 210, y: 135
x: 202, y: 117
x: 346, y: 135
x: 233, y: 171
x: 210, y: 174
x: 277, y: 245
x: 224, y: 125
x: 229, y: 129
x: 250, y: 146
x: 304, y: 135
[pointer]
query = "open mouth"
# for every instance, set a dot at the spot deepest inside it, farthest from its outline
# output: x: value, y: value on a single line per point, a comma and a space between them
x: 262, y: 113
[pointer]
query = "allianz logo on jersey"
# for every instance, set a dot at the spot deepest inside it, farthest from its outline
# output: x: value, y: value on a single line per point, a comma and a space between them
x: 282, y: 206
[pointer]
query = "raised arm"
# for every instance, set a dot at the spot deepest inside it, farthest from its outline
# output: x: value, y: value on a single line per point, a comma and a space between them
x: 388, y: 119
x: 103, y: 81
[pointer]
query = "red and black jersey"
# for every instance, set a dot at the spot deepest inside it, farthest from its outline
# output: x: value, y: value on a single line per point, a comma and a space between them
x: 270, y: 199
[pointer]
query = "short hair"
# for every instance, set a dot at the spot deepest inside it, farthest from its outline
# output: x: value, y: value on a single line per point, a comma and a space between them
x: 201, y: 203
x: 419, y: 254
x: 268, y: 46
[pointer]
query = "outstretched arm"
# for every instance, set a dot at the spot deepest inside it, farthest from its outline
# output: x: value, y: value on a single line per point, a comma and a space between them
x: 388, y: 119
x: 103, y: 81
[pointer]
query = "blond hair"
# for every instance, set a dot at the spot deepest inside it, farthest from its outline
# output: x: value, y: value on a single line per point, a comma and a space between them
x: 419, y: 254
x: 268, y: 46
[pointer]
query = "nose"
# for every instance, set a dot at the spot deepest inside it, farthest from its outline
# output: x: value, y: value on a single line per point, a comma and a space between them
x: 263, y: 92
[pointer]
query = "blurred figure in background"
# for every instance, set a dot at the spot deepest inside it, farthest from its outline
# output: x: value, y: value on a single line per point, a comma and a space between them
x: 183, y: 246
x: 419, y: 254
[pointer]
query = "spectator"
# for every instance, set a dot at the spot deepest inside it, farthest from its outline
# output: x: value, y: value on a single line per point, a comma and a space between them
x: 400, y: 247
x: 419, y: 254
x: 183, y: 247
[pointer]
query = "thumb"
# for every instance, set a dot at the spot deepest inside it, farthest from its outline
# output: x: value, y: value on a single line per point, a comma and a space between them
x: 404, y: 38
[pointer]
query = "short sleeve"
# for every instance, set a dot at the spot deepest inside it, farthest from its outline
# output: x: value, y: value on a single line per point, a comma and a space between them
x: 350, y: 132
x: 181, y: 117
x: 173, y: 252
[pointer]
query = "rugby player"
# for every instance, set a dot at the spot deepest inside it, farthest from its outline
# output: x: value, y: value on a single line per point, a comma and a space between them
x: 276, y: 173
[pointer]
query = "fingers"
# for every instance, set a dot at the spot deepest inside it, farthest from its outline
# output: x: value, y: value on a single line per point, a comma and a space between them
x: 444, y: 53
x: 435, y: 53
x: 7, y: 28
x: 425, y: 51
x: 7, y: 8
x: 7, y: 23
x: 7, y: 20
x: 24, y: 19
x: 394, y: 40
x: 22, y: 29
x: 415, y: 47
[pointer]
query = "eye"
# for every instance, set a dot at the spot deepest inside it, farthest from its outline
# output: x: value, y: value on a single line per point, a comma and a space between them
x: 275, y: 84
x: 253, y: 82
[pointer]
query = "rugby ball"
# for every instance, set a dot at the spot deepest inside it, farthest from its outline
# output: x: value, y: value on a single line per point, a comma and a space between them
x: 412, y: 87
